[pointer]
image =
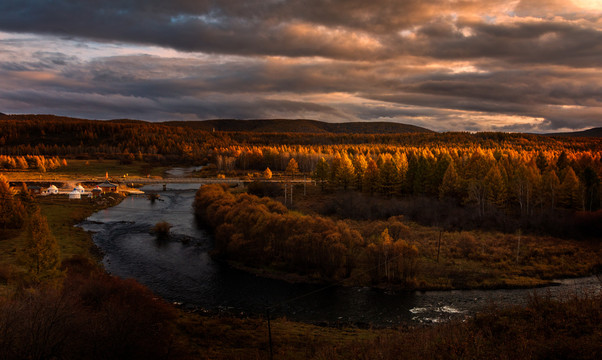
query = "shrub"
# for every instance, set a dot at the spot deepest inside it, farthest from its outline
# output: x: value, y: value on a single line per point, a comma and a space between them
x: 93, y: 316
x: 161, y: 229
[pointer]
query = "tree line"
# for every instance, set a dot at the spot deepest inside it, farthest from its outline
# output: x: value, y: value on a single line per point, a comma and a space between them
x: 519, y: 172
x: 261, y: 232
x: 59, y: 136
x: 489, y: 178
x: 38, y: 162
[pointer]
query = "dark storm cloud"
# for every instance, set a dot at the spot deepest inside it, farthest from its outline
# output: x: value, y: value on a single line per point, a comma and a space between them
x: 342, y: 29
x: 236, y: 27
x: 525, y: 42
x: 118, y: 106
x: 463, y: 65
x: 171, y: 88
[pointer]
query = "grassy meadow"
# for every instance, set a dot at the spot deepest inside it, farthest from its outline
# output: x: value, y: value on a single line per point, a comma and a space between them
x: 62, y: 215
x: 96, y: 169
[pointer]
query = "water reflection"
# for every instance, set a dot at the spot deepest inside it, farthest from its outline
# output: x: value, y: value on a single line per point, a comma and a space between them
x: 180, y: 270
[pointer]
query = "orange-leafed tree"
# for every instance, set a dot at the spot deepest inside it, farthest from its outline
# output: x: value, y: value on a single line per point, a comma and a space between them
x: 321, y: 173
x: 292, y: 168
x: 345, y: 172
x: 12, y: 212
x: 371, y: 181
x: 451, y: 185
x: 267, y: 174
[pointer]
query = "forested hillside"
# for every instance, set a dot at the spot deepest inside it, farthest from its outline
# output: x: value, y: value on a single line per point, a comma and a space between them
x: 521, y: 172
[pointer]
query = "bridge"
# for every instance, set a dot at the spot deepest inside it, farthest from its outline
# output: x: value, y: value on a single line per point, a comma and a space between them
x: 148, y: 181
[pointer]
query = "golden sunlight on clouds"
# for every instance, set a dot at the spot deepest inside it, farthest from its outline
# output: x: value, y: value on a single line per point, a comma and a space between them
x: 495, y: 122
x: 36, y: 75
x: 589, y: 4
x: 338, y: 37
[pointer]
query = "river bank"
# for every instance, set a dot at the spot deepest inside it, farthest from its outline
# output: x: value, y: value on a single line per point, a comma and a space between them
x: 181, y: 269
x: 300, y: 279
x: 264, y: 237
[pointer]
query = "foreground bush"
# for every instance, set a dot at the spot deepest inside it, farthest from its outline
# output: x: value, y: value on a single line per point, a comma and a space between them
x: 93, y: 316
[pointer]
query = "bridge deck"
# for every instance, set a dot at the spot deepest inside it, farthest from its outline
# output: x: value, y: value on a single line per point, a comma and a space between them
x: 145, y: 181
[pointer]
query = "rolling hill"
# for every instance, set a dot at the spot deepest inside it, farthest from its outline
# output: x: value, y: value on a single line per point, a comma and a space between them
x: 258, y: 126
x: 593, y: 132
x: 300, y: 126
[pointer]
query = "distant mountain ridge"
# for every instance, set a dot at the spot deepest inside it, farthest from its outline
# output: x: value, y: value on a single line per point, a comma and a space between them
x: 300, y: 126
x: 593, y: 132
x: 259, y: 126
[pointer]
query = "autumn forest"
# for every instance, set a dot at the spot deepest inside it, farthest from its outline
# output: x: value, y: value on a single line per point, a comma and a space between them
x: 404, y: 209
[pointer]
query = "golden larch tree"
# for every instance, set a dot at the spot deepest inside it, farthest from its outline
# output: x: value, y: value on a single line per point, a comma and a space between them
x: 41, y: 254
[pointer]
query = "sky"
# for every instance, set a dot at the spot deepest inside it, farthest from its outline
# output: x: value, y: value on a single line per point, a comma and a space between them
x: 448, y: 65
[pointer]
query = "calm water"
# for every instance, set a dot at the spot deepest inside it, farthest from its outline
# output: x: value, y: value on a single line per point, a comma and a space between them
x: 181, y: 270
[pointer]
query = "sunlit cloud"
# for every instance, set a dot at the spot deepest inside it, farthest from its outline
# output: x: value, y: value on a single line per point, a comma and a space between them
x: 523, y: 65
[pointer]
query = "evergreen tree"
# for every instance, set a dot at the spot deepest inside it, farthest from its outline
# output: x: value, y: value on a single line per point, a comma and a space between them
x: 322, y: 172
x: 438, y: 173
x: 401, y: 163
x: 550, y: 185
x: 41, y: 254
x: 569, y: 194
x: 451, y: 185
x: 541, y: 161
x: 495, y: 187
x: 389, y: 177
x: 335, y: 163
x: 345, y: 172
x: 562, y: 161
x: 359, y: 165
x: 591, y: 188
x: 421, y: 175
x: 371, y: 181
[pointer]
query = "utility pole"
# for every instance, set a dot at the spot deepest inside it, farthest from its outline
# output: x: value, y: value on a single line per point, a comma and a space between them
x: 304, y: 186
x: 285, y: 194
x: 439, y: 246
x: 291, y: 194
x: 270, y: 334
x: 518, y: 246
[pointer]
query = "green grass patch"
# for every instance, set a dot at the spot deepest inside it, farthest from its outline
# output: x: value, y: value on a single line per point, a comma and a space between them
x: 90, y: 169
x: 62, y: 215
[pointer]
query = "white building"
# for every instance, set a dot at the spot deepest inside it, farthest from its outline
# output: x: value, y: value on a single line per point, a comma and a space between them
x: 52, y: 190
x: 75, y: 194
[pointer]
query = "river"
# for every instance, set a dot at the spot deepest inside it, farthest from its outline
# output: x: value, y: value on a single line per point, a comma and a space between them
x: 181, y: 271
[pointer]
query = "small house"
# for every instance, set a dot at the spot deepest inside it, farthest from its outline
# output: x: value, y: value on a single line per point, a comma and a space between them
x: 75, y: 194
x: 80, y: 188
x: 96, y: 192
x: 34, y: 190
x: 52, y: 190
x: 107, y: 187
